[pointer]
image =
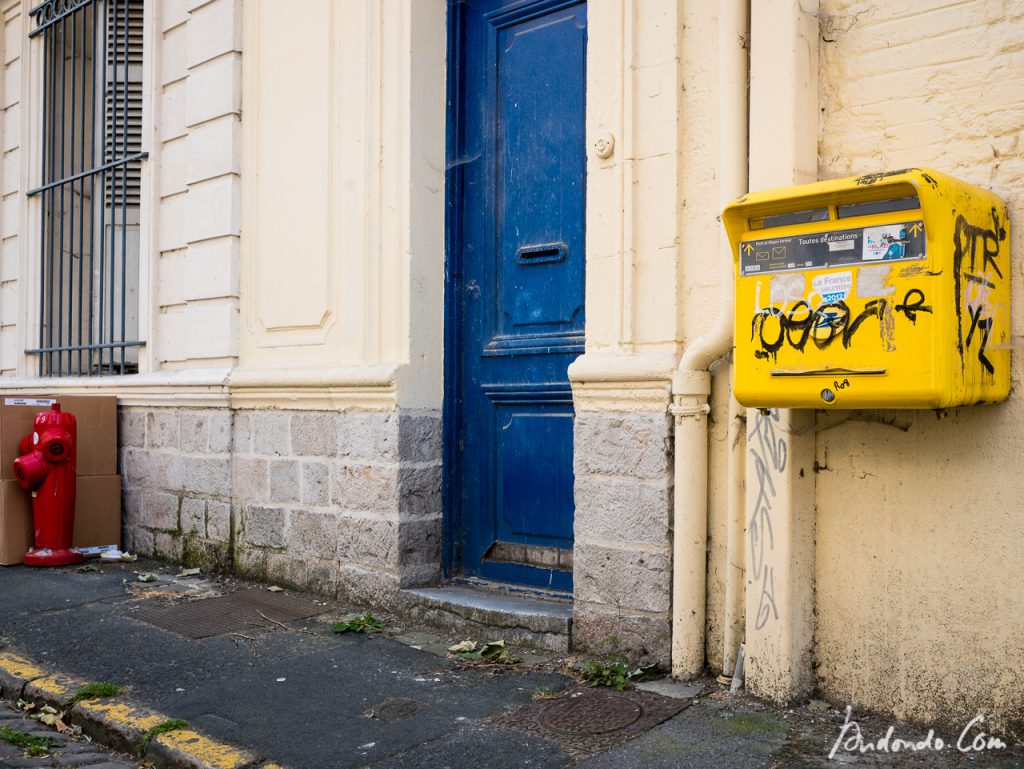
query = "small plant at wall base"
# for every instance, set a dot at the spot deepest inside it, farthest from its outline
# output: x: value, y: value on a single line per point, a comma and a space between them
x: 607, y: 672
x: 360, y: 624
x: 613, y: 668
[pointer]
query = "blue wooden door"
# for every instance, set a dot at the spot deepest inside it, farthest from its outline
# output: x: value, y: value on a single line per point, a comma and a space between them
x: 514, y: 285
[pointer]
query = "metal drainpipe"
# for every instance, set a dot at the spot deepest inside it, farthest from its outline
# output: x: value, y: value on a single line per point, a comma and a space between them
x: 691, y: 383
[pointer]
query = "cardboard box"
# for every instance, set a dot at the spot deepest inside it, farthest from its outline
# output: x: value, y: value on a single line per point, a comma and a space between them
x: 96, y: 416
x: 98, y: 511
x: 97, y: 516
x: 15, y: 523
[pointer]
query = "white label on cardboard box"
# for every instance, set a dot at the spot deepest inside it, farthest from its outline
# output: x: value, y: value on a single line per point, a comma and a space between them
x: 29, y: 401
x: 98, y: 550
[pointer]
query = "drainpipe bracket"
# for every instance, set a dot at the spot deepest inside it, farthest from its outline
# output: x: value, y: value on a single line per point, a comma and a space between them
x: 680, y: 411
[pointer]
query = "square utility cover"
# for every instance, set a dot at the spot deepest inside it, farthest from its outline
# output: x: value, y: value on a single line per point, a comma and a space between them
x: 229, y: 613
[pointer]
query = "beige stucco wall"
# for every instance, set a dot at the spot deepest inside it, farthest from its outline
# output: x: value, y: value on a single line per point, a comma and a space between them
x: 920, y: 518
x: 634, y: 192
x: 194, y: 191
x: 11, y: 304
x: 342, y: 262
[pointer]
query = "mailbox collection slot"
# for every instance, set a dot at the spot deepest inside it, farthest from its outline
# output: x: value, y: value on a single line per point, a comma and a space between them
x: 909, y: 203
x: 790, y: 217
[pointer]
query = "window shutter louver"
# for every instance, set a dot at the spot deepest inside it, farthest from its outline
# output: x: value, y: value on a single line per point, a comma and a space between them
x: 124, y: 73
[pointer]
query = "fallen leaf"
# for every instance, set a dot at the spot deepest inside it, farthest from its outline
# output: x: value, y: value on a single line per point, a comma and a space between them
x: 496, y: 652
x: 643, y: 670
x: 275, y: 589
x: 189, y: 572
x: 147, y: 577
x: 87, y: 567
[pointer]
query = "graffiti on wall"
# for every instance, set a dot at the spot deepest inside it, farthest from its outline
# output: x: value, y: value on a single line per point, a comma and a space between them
x: 769, y: 451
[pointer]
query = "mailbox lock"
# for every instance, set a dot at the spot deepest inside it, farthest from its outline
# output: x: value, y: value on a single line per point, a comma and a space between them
x: 827, y: 395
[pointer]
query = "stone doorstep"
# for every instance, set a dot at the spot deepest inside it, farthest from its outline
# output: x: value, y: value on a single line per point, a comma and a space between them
x: 477, y: 612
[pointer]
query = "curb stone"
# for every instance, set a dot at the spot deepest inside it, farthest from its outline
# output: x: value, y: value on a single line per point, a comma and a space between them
x: 191, y: 750
x: 115, y: 723
x: 120, y: 725
x: 15, y: 672
x: 57, y: 691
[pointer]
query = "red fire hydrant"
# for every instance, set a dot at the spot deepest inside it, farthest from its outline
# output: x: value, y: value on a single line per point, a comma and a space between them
x: 47, y: 468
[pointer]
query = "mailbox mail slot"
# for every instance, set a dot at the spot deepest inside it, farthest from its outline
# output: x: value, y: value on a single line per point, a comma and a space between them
x: 883, y: 291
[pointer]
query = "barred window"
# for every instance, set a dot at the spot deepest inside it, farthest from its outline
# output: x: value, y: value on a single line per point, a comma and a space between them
x: 91, y: 148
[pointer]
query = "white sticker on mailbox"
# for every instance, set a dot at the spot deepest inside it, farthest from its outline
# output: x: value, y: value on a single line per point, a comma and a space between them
x: 29, y: 401
x: 841, y: 245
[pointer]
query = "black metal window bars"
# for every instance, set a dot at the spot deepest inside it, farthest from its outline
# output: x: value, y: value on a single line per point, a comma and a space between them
x: 90, y: 190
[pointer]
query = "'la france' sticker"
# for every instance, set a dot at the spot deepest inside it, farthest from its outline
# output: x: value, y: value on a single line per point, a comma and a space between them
x: 833, y: 286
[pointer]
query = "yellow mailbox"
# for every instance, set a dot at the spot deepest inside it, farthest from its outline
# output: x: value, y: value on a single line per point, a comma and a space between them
x: 883, y: 291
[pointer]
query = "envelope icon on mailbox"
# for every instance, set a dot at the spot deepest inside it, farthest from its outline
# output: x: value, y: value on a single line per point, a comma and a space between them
x: 778, y: 252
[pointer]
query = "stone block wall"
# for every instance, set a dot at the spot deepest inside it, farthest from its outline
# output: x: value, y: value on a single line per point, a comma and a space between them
x: 176, y: 468
x: 349, y: 503
x: 346, y: 503
x: 623, y: 550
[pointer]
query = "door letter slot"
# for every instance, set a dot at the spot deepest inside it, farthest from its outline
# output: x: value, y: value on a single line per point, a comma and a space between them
x: 544, y: 254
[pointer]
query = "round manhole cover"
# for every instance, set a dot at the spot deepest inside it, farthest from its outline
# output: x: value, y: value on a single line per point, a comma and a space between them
x: 592, y: 713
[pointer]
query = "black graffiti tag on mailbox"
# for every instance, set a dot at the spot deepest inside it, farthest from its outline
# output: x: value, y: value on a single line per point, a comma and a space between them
x: 971, y: 244
x: 825, y: 324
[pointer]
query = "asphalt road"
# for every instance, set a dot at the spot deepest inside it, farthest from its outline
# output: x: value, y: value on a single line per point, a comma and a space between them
x: 308, y: 698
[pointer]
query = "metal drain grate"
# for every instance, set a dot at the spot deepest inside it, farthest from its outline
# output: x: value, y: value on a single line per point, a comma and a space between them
x: 593, y: 720
x: 228, y: 613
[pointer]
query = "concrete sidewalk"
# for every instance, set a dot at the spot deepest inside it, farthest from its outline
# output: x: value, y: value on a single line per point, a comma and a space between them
x: 297, y: 694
